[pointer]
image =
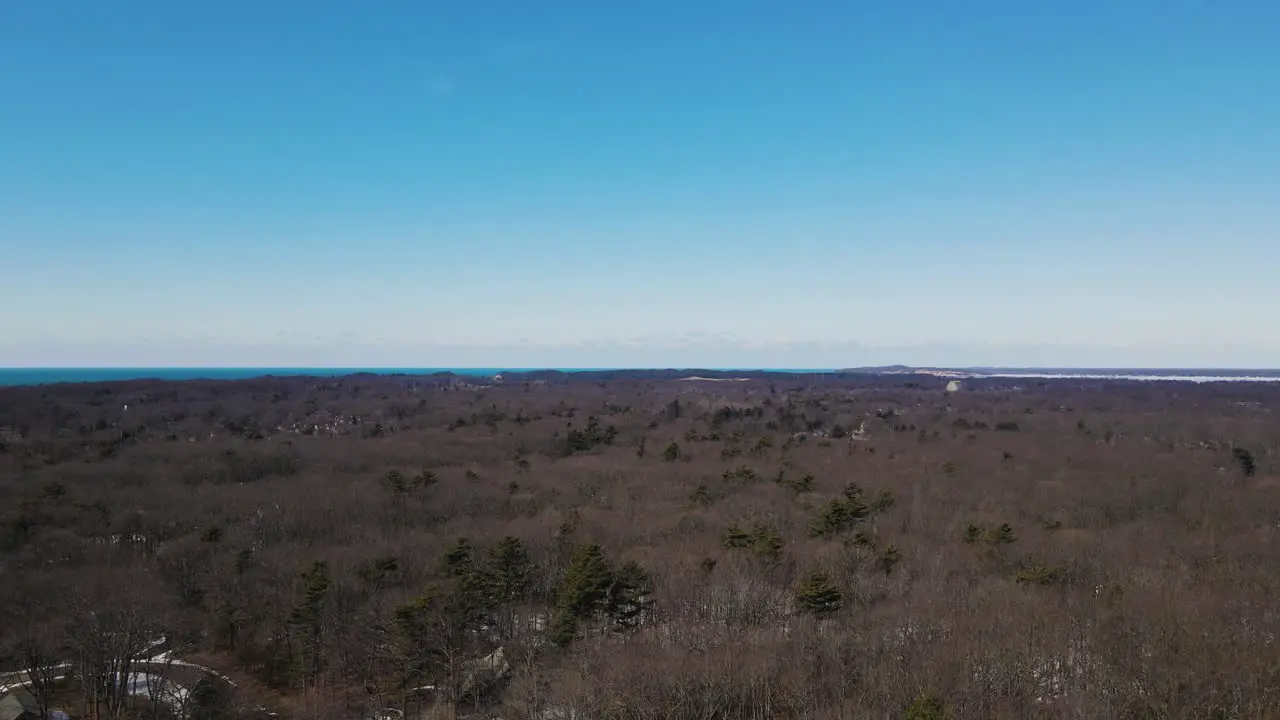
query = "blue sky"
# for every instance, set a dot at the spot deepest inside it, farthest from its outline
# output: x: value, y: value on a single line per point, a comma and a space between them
x: 573, y: 183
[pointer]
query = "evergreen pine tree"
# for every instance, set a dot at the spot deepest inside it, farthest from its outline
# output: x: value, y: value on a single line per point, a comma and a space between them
x: 315, y: 587
x: 395, y: 480
x: 818, y: 596
x: 840, y: 515
x: 766, y: 542
x: 884, y: 500
x: 630, y: 595
x: 304, y: 618
x: 508, y: 570
x: 701, y: 495
x: 1001, y: 535
x: 888, y: 559
x: 583, y: 592
x: 972, y: 534
x: 440, y: 624
x: 926, y: 706
x: 735, y: 537
x: 457, y: 561
x: 1245, y: 459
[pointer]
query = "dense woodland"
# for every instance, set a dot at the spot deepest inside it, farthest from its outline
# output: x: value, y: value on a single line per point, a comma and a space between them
x: 642, y: 547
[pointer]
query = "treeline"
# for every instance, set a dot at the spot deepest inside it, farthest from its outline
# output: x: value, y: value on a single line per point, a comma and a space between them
x: 634, y: 548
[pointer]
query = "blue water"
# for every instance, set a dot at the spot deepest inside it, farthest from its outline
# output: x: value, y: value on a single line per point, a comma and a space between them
x: 41, y: 376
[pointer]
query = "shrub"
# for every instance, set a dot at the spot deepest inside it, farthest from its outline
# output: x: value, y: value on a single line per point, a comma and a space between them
x: 396, y: 482
x: 884, y: 500
x: 798, y: 485
x: 766, y: 543
x: 1000, y: 535
x: 735, y: 537
x: 762, y: 445
x: 741, y: 475
x: 926, y: 706
x: 701, y: 495
x: 1039, y: 575
x: 888, y: 559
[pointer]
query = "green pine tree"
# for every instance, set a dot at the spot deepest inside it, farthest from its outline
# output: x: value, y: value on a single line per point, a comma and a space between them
x: 816, y: 595
x: 396, y: 481
x: 888, y: 559
x: 884, y: 500
x: 584, y: 591
x: 766, y: 543
x: 840, y: 515
x: 304, y: 618
x: 701, y: 496
x: 1245, y: 460
x: 458, y: 559
x: 564, y: 538
x: 926, y: 706
x: 630, y: 596
x: 1002, y: 535
x: 439, y: 626
x: 735, y: 537
x: 802, y: 484
x: 509, y: 570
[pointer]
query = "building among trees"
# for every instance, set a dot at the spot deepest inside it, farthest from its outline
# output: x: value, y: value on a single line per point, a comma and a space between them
x: 21, y: 704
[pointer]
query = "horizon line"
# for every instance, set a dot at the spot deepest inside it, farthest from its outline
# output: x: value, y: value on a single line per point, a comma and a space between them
x: 540, y: 368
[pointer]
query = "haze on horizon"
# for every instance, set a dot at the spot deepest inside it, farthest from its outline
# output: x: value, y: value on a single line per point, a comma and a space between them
x: 576, y: 184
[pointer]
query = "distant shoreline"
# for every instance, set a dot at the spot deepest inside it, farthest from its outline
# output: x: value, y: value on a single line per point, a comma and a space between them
x: 14, y: 377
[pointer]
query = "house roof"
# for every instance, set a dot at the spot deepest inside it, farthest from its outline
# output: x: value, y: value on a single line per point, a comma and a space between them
x: 17, y: 703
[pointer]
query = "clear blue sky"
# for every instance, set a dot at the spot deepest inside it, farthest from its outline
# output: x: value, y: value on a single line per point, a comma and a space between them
x: 579, y: 183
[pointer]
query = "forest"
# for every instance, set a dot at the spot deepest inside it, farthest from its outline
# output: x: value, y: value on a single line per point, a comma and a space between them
x: 643, y: 546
